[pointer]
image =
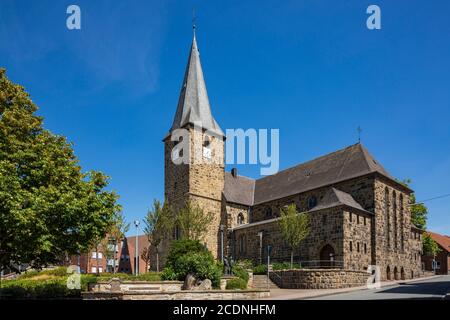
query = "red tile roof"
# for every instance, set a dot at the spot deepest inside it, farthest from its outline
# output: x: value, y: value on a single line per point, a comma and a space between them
x: 442, y: 240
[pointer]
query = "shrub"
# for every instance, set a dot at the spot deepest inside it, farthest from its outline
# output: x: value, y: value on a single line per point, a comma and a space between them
x: 31, y: 289
x: 149, y: 276
x: 28, y: 274
x: 240, y: 272
x: 189, y: 256
x: 169, y: 274
x: 285, y: 266
x: 237, y: 283
x: 260, y: 269
x: 58, y: 272
x: 180, y: 248
x: 246, y: 264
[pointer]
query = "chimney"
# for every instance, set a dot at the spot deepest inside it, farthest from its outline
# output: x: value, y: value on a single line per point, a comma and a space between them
x: 234, y: 172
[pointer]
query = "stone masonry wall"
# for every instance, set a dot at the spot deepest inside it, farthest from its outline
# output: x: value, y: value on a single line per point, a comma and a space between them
x: 357, y: 240
x: 326, y: 228
x: 201, y: 180
x: 394, y: 244
x: 360, y: 188
x: 319, y: 278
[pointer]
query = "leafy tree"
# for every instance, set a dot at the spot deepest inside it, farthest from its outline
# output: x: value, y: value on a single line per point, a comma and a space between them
x: 294, y: 227
x: 193, y: 222
x: 48, y: 206
x: 191, y: 257
x: 146, y: 256
x: 116, y: 232
x: 430, y: 247
x: 159, y: 223
x: 419, y: 211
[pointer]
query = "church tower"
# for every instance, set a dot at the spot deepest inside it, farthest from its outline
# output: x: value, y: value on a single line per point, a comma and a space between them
x: 194, y: 152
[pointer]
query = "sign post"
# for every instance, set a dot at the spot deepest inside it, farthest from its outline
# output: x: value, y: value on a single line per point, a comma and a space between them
x: 269, y: 250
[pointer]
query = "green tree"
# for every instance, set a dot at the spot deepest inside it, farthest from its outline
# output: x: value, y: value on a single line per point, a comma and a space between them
x: 48, y: 206
x: 294, y: 227
x: 116, y: 232
x: 430, y: 247
x: 159, y: 223
x: 419, y: 211
x: 146, y: 256
x: 193, y: 222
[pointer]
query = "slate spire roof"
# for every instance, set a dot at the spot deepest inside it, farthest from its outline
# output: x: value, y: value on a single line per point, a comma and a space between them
x: 193, y: 103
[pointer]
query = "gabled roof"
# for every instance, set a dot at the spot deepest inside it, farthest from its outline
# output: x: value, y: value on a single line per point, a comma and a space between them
x: 193, y: 104
x: 443, y: 241
x: 239, y: 189
x: 334, y: 198
x: 351, y: 162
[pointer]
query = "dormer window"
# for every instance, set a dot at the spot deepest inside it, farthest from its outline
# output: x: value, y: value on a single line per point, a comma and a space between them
x: 312, y: 202
x: 240, y: 219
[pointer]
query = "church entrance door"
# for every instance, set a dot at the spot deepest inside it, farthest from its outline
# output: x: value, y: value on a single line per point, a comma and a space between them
x: 327, y: 256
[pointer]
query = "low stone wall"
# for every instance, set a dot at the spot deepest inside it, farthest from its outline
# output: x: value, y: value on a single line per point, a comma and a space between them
x: 117, y: 285
x: 116, y: 289
x: 179, y: 295
x: 318, y: 278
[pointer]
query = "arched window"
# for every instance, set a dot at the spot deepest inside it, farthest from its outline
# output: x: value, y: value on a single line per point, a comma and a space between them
x: 242, y: 244
x: 240, y: 219
x: 402, y: 224
x: 268, y: 212
x: 388, y: 273
x: 387, y: 218
x: 394, y: 210
x: 207, y: 147
x: 177, y: 151
x: 312, y: 202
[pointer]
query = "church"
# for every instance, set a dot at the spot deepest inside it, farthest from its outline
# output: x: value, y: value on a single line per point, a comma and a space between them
x: 359, y: 214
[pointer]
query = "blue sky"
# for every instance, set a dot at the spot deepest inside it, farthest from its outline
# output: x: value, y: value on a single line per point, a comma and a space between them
x: 310, y: 68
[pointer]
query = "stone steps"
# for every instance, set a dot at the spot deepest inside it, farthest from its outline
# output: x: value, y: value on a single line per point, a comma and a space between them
x: 260, y: 282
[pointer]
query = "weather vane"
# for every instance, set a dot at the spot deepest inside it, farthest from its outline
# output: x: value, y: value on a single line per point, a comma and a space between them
x: 359, y: 134
x: 194, y: 20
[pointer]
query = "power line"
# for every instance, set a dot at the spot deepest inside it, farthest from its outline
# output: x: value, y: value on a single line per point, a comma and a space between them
x: 429, y: 199
x: 438, y: 197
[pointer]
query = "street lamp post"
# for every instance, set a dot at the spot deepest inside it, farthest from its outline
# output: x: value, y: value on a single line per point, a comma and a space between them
x: 136, y: 247
x: 222, y: 227
x: 260, y: 235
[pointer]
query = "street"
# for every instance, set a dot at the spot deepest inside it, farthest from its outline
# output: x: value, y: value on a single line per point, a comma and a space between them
x: 435, y: 288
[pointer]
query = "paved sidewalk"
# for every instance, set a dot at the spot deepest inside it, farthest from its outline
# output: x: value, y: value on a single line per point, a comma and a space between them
x: 295, y: 294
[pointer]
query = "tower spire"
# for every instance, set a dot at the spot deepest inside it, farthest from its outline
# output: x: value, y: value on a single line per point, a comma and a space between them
x: 193, y: 103
x: 194, y: 21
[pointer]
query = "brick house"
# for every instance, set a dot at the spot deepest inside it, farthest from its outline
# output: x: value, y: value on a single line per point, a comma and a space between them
x: 359, y: 213
x: 442, y: 258
x: 95, y: 261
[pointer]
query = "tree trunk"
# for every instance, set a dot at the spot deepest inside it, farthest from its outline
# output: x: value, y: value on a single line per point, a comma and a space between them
x: 96, y: 258
x: 292, y: 258
x: 114, y: 258
x: 157, y: 261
